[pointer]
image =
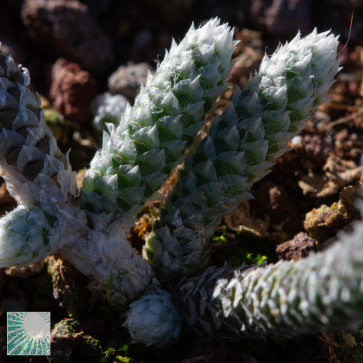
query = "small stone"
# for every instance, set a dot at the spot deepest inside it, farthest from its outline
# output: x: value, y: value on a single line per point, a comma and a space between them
x: 317, y: 149
x: 72, y: 90
x: 62, y: 341
x: 127, y: 80
x: 326, y: 221
x: 66, y: 29
x: 300, y: 246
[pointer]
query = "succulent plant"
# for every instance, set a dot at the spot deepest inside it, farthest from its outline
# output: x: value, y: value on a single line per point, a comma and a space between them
x: 139, y: 153
x: 239, y: 149
x: 163, y: 319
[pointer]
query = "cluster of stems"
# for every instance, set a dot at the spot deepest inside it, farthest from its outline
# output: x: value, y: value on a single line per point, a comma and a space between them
x: 89, y: 227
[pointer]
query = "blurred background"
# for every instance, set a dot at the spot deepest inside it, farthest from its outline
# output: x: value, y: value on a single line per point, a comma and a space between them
x: 100, y: 35
x: 87, y: 59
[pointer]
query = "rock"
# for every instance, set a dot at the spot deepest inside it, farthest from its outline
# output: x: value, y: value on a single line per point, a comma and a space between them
x: 326, y: 221
x: 300, y: 246
x: 70, y: 344
x: 316, y: 149
x: 66, y: 28
x: 128, y: 79
x: 282, y: 17
x: 62, y: 340
x: 72, y: 90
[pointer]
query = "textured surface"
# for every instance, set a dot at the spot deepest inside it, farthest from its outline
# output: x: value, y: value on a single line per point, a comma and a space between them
x: 68, y: 30
x: 35, y: 170
x: 321, y: 292
x: 154, y: 319
x: 240, y: 148
x: 24, y: 236
x: 137, y: 156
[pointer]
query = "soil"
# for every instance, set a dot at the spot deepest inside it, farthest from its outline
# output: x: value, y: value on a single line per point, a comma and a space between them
x: 295, y: 210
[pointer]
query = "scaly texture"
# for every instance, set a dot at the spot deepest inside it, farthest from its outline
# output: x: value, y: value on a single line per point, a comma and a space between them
x: 321, y: 292
x: 154, y: 319
x: 104, y: 254
x: 35, y: 170
x: 138, y: 154
x: 239, y: 150
x: 25, y: 236
x: 39, y: 176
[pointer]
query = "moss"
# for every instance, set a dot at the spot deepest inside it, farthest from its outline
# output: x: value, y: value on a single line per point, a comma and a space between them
x: 69, y: 344
x: 70, y: 325
x: 120, y: 359
x: 349, y: 348
x: 240, y: 256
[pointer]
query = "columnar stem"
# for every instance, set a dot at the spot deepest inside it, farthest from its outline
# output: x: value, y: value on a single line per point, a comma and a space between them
x: 138, y: 155
x: 239, y: 150
x: 321, y: 292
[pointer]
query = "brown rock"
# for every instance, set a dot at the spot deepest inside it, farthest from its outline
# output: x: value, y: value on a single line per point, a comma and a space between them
x: 317, y: 149
x: 300, y: 246
x: 63, y: 339
x: 127, y: 80
x: 72, y: 90
x: 65, y: 28
x: 326, y: 221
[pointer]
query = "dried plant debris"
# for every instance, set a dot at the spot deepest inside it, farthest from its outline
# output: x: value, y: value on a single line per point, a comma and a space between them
x: 26, y: 271
x: 337, y: 174
x: 69, y: 287
x: 242, y: 221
